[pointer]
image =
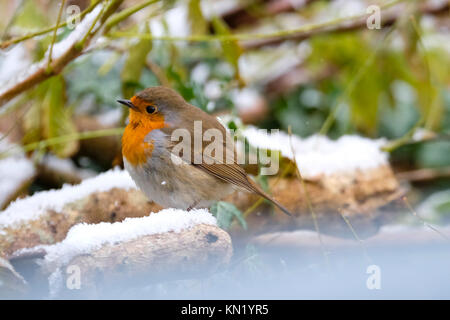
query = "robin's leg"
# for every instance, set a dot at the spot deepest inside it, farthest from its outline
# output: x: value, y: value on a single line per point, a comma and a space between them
x: 192, y: 206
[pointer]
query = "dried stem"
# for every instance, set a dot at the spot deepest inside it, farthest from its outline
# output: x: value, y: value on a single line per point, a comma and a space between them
x: 63, y: 3
x: 31, y: 35
x: 308, y: 199
x: 57, y: 65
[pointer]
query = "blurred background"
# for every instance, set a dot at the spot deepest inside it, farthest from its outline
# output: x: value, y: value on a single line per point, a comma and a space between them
x: 377, y: 69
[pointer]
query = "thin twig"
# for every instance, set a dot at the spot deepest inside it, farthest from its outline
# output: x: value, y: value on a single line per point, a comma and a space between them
x: 158, y: 72
x: 355, y: 235
x: 434, y: 106
x: 63, y: 139
x: 426, y: 224
x: 31, y: 35
x: 81, y: 44
x: 57, y: 65
x: 424, y: 174
x: 122, y: 15
x: 258, y: 202
x: 351, y: 86
x: 12, y: 20
x: 407, y: 138
x: 308, y: 199
x: 63, y: 3
x: 303, y: 30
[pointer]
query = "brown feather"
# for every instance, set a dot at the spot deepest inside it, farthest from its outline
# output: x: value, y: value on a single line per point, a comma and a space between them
x: 226, y: 168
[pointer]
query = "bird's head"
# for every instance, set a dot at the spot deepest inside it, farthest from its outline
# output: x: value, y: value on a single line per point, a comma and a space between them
x: 154, y: 107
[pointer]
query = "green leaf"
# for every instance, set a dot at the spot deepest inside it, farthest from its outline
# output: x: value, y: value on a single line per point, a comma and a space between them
x: 135, y: 62
x: 436, y: 207
x: 198, y: 23
x: 434, y: 154
x: 59, y: 117
x: 49, y: 118
x: 231, y: 48
x: 31, y: 16
x: 225, y: 212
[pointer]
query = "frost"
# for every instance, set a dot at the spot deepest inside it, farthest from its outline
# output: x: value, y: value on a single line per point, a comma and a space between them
x: 66, y: 166
x: 12, y: 62
x: 176, y: 20
x: 200, y: 73
x: 276, y: 60
x: 213, y: 89
x: 110, y: 118
x: 14, y: 172
x: 84, y: 238
x: 59, y: 49
x: 55, y: 282
x: 247, y: 98
x: 218, y: 7
x: 317, y: 155
x: 76, y: 35
x: 32, y: 207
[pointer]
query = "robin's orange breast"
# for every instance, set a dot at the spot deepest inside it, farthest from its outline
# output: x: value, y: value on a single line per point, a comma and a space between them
x: 135, y: 149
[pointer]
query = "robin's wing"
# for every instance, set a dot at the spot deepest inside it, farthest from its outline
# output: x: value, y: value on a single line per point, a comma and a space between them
x: 224, y: 165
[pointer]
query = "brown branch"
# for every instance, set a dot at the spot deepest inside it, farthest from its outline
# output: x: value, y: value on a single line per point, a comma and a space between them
x: 158, y: 72
x: 424, y: 174
x: 57, y: 65
x: 388, y: 17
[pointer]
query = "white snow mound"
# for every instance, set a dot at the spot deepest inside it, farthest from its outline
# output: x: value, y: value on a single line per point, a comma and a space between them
x: 31, y: 208
x: 318, y: 155
x: 84, y: 238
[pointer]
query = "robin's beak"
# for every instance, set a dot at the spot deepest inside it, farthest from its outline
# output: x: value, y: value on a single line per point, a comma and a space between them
x: 128, y: 103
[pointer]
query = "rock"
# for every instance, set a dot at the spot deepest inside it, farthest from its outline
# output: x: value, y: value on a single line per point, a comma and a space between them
x: 154, y: 258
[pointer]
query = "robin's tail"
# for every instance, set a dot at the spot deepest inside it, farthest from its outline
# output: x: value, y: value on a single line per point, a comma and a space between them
x: 257, y: 189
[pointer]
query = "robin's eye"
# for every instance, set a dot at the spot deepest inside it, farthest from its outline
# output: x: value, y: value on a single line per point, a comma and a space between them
x: 150, y: 109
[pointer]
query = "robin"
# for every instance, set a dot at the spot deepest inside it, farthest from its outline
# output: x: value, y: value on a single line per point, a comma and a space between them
x: 178, y: 174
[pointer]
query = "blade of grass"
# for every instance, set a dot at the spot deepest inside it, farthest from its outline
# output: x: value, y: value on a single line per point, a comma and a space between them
x: 351, y: 86
x: 407, y: 138
x: 7, y: 43
x: 308, y: 200
x: 426, y: 224
x: 122, y: 15
x: 258, y: 202
x: 63, y: 3
x: 355, y: 235
x: 64, y: 139
x: 252, y: 36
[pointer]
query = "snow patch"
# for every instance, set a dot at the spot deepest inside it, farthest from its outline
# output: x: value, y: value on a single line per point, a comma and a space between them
x: 84, y: 238
x: 76, y: 35
x: 66, y: 166
x: 110, y: 118
x: 14, y: 171
x: 317, y: 155
x: 247, y: 99
x: 177, y: 22
x: 31, y: 208
x: 12, y: 62
x: 59, y: 49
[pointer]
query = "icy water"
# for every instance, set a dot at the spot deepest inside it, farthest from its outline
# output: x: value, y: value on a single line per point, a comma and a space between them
x: 405, y: 273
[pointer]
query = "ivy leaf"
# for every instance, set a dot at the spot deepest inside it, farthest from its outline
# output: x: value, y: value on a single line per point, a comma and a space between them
x: 49, y: 118
x: 31, y: 16
x: 197, y: 21
x: 225, y: 212
x: 231, y: 48
x: 135, y: 62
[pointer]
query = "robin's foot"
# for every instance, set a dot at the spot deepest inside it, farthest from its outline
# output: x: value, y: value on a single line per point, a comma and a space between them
x: 192, y: 206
